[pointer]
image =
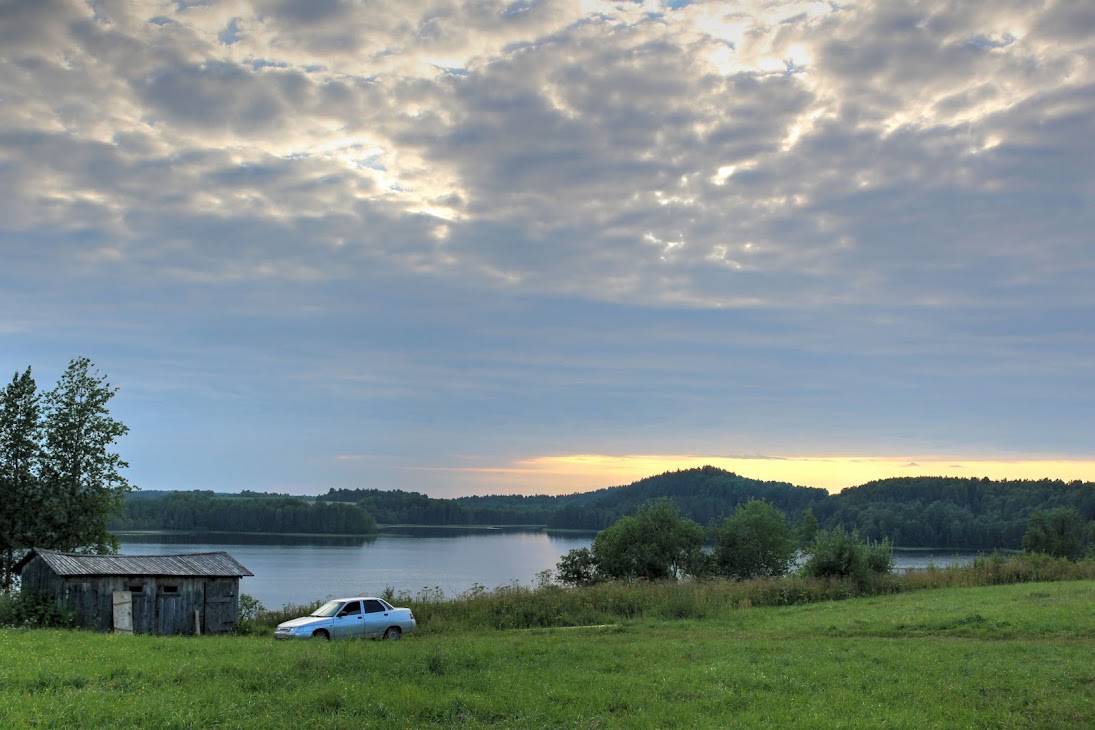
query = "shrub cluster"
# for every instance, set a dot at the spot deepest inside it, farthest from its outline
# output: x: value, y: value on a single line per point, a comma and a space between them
x: 840, y: 554
x: 28, y: 609
x: 658, y: 543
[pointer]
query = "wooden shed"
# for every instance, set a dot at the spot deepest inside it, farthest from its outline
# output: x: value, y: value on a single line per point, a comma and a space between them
x: 144, y: 594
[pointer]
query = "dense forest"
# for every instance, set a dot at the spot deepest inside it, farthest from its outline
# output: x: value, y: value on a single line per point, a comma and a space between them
x: 702, y: 495
x: 247, y: 512
x: 940, y: 512
x: 396, y: 507
x: 971, y: 513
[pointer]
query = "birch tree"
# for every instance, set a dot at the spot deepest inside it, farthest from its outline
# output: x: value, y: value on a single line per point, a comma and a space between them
x: 81, y: 474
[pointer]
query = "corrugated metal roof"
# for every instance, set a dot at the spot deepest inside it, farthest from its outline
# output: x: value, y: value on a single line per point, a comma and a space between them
x: 210, y: 565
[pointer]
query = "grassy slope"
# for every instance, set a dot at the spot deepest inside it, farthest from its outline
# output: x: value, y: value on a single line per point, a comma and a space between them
x: 1004, y: 656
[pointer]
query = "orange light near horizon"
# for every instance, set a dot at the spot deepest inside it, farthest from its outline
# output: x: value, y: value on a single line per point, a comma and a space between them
x: 565, y: 474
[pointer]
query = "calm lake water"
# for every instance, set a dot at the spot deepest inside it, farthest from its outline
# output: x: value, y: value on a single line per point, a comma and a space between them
x: 304, y: 569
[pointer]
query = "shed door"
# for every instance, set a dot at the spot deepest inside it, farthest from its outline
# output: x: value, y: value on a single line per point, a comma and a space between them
x: 221, y: 606
x: 123, y: 612
x: 171, y: 619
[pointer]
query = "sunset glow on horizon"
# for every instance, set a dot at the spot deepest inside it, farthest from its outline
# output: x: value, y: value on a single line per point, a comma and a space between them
x: 588, y: 472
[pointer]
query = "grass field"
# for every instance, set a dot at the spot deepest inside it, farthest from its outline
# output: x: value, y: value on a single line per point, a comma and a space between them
x: 1010, y: 656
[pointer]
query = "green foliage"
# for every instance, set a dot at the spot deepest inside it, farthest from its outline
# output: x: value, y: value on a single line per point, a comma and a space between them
x: 577, y: 568
x: 703, y: 494
x: 398, y: 507
x: 20, y: 447
x: 60, y: 481
x: 756, y: 541
x: 32, y: 610
x: 81, y: 475
x: 840, y: 554
x: 1059, y: 532
x: 806, y: 530
x: 655, y: 543
x: 250, y: 607
x: 951, y: 512
x: 198, y: 511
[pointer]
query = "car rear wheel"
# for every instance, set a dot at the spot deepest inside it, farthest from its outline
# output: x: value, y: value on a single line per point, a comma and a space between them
x: 321, y: 634
x: 393, y: 634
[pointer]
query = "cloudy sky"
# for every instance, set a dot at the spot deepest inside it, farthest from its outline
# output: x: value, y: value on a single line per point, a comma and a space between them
x: 523, y: 247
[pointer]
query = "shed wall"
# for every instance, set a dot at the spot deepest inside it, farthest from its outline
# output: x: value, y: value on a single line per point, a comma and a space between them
x: 161, y: 605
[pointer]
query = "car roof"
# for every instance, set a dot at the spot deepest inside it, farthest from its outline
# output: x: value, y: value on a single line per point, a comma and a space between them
x: 357, y: 598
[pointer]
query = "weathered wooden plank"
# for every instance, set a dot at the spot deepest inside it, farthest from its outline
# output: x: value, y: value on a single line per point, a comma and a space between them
x: 123, y: 612
x: 157, y: 604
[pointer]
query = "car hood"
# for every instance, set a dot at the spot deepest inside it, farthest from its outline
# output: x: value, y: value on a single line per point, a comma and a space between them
x: 305, y: 621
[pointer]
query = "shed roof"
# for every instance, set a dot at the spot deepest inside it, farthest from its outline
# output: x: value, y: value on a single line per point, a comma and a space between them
x: 208, y: 565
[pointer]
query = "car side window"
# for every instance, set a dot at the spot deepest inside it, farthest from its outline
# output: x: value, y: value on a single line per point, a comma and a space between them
x: 374, y: 607
x: 352, y: 608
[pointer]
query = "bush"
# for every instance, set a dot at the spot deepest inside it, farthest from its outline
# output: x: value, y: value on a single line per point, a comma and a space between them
x: 840, y: 554
x: 28, y: 609
x: 756, y: 541
x: 655, y: 543
x: 1058, y: 532
x: 577, y: 568
x: 251, y: 609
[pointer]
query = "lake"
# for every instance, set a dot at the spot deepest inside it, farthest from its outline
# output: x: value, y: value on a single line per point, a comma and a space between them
x: 291, y: 569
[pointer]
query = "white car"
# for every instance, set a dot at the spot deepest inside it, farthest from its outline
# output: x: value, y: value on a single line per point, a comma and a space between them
x: 350, y: 618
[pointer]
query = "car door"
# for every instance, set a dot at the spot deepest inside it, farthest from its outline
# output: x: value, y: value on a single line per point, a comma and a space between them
x: 348, y: 623
x: 376, y: 617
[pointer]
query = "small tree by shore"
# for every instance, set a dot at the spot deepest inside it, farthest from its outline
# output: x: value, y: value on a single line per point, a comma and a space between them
x: 1058, y: 532
x: 838, y: 553
x: 754, y: 542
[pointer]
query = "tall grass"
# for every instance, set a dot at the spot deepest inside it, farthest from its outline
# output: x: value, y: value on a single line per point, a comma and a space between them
x: 548, y: 605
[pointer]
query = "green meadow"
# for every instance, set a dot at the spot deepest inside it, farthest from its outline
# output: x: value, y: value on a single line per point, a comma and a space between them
x: 998, y: 656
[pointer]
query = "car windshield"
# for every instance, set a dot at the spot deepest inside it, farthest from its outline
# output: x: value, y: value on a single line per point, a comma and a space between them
x: 328, y: 609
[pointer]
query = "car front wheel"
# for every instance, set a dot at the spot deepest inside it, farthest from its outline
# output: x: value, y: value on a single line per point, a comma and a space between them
x: 321, y: 634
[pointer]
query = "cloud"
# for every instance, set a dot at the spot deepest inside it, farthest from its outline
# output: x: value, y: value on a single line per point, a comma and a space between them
x: 574, y: 143
x: 667, y: 227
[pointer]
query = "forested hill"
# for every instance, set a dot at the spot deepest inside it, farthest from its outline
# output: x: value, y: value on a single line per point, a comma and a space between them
x: 951, y: 512
x: 941, y: 512
x: 702, y: 495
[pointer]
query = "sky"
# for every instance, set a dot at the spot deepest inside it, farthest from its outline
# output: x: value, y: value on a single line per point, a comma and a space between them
x: 545, y: 247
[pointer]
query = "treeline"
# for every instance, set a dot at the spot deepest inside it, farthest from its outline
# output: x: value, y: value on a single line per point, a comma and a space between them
x: 397, y: 507
x: 702, y: 495
x: 979, y: 514
x: 936, y: 512
x: 204, y: 511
